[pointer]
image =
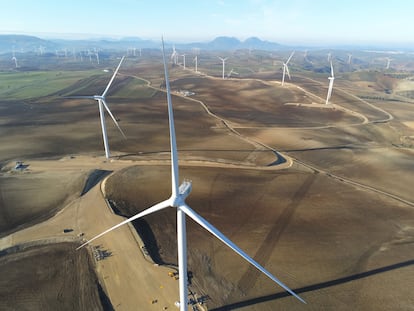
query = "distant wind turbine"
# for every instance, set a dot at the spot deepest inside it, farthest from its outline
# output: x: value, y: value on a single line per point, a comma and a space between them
x: 183, y: 60
x: 177, y: 201
x: 102, y: 104
x: 14, y: 58
x: 15, y: 61
x: 224, y: 64
x: 174, y: 56
x: 388, y: 63
x: 97, y: 56
x: 331, y: 81
x: 286, y: 68
x: 349, y: 59
x: 196, y: 63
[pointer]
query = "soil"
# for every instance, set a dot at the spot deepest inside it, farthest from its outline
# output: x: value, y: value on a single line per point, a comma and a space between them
x: 336, y: 224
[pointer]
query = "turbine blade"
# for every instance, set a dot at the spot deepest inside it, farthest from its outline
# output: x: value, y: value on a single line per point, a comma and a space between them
x: 291, y: 55
x: 113, y: 77
x: 210, y: 228
x: 80, y: 97
x: 113, y: 118
x: 287, y: 71
x: 332, y: 71
x: 148, y: 211
x: 173, y: 143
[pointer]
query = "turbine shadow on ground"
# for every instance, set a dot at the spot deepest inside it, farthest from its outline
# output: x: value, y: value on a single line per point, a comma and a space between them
x: 316, y: 286
x: 264, y: 252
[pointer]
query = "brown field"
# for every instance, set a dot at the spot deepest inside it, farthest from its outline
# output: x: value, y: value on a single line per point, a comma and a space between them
x: 337, y: 225
x: 71, y: 273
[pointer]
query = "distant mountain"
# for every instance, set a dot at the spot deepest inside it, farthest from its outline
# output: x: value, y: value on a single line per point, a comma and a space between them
x: 224, y: 43
x: 232, y: 43
x: 24, y: 43
x: 257, y: 44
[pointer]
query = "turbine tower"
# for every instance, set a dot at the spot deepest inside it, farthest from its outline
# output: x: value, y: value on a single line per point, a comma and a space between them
x: 177, y: 200
x: 224, y: 64
x: 102, y: 104
x: 331, y: 81
x: 286, y: 68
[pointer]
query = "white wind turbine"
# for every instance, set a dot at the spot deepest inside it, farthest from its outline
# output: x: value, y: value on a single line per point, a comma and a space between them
x: 97, y: 56
x: 196, y: 63
x: 101, y: 104
x: 14, y: 58
x: 286, y: 68
x: 349, y: 59
x: 388, y: 63
x: 177, y: 200
x: 183, y: 60
x: 331, y: 81
x: 174, y: 56
x: 224, y: 64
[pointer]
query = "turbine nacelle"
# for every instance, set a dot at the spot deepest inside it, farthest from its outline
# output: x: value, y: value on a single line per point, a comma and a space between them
x: 184, y: 191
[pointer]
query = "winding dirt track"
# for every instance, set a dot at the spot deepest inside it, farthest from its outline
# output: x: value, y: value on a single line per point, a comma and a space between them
x: 288, y: 159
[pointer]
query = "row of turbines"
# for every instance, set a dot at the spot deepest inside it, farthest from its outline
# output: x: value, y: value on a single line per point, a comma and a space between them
x: 92, y: 54
x: 179, y: 193
x: 174, y: 59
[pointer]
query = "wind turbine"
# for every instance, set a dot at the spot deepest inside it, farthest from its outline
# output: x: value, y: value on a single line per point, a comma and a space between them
x: 183, y: 60
x: 101, y: 104
x: 331, y: 81
x: 388, y: 63
x: 349, y: 59
x: 97, y: 56
x: 286, y: 68
x: 224, y: 64
x: 177, y: 200
x: 174, y: 56
x: 15, y: 61
x: 196, y: 63
x: 14, y: 58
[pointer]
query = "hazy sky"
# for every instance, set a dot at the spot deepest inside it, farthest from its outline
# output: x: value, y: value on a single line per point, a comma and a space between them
x: 287, y: 21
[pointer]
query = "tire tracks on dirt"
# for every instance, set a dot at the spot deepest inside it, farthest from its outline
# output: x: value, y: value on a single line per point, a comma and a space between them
x: 263, y: 254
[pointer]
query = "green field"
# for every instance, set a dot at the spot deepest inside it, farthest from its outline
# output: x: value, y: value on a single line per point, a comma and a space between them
x: 135, y: 88
x: 29, y: 85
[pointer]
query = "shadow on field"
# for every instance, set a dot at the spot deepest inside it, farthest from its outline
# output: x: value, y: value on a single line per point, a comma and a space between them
x: 93, y: 179
x: 316, y: 286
